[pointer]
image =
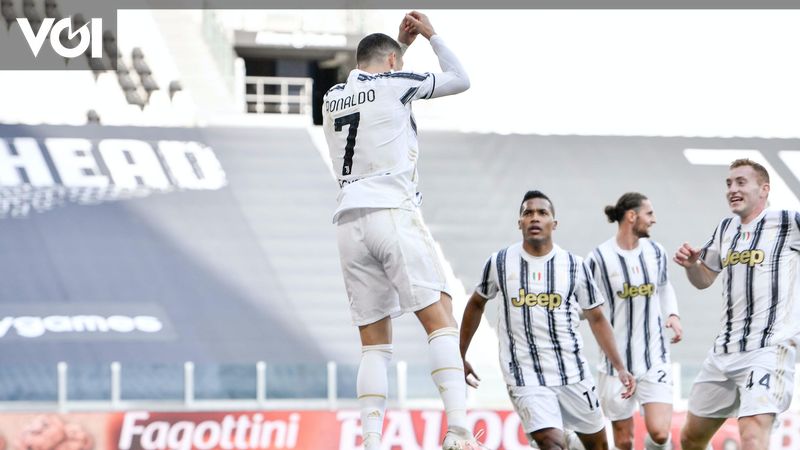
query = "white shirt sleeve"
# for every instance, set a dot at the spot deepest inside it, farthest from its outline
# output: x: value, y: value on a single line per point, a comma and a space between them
x: 710, y: 253
x: 794, y: 234
x: 487, y: 287
x: 452, y: 80
x: 669, y: 303
x: 586, y: 289
x: 666, y: 292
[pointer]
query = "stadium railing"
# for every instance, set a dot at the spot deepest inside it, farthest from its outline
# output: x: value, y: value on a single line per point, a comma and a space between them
x: 284, y: 95
x: 227, y: 387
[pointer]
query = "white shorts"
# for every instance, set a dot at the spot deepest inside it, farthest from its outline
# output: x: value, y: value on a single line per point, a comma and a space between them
x: 655, y: 386
x: 389, y: 262
x: 744, y: 384
x: 574, y: 407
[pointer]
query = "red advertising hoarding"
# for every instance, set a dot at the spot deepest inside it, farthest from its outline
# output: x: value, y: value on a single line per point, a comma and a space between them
x: 296, y: 430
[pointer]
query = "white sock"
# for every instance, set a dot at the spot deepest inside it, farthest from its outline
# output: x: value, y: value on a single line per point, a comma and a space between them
x: 372, y: 387
x: 447, y: 371
x: 649, y: 444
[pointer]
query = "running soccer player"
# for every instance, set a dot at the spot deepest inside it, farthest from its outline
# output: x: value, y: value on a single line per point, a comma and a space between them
x: 539, y: 290
x: 749, y: 372
x: 632, y: 271
x: 387, y: 254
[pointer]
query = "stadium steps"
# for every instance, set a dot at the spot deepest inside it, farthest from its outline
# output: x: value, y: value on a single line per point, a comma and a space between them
x: 183, y: 34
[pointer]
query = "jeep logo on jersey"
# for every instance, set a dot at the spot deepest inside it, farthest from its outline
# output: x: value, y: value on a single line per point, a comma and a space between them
x: 90, y: 34
x: 749, y: 257
x: 40, y: 175
x: 628, y: 291
x: 545, y: 300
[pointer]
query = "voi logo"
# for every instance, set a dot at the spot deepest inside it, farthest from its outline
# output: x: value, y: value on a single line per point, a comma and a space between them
x: 90, y: 34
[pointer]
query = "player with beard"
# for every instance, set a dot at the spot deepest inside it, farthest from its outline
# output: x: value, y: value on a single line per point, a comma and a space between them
x: 631, y: 270
x: 540, y: 290
x: 749, y: 372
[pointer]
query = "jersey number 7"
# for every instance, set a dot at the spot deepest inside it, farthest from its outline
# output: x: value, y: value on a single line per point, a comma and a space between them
x: 350, y: 147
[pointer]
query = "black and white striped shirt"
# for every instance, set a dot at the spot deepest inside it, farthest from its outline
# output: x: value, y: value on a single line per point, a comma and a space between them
x: 539, y: 300
x: 639, y: 299
x: 760, y: 282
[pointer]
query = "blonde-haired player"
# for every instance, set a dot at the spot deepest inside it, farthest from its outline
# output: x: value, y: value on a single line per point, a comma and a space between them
x: 749, y: 372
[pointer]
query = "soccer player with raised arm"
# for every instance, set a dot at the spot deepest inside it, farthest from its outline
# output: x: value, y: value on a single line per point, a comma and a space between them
x: 388, y: 256
x: 749, y: 371
x: 539, y: 290
x: 632, y: 272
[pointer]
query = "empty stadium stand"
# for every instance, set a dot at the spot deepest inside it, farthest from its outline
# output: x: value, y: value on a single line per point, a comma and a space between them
x: 248, y: 271
x: 131, y: 95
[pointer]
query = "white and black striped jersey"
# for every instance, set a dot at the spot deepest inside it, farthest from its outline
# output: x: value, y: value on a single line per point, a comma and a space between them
x: 539, y: 300
x: 639, y: 298
x: 760, y: 280
x: 371, y: 133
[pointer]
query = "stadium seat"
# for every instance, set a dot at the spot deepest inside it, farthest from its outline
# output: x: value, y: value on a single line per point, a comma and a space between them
x: 122, y: 68
x: 29, y: 11
x: 110, y: 44
x: 149, y: 83
x: 51, y: 9
x: 98, y: 65
x: 78, y: 20
x: 7, y: 10
x: 139, y: 64
x: 126, y: 82
x: 92, y: 117
x: 174, y: 86
x: 133, y: 97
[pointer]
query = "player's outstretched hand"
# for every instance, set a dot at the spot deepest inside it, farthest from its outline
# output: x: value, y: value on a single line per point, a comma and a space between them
x: 419, y: 23
x: 629, y: 382
x: 473, y: 381
x: 686, y: 255
x: 674, y: 322
x: 406, y: 35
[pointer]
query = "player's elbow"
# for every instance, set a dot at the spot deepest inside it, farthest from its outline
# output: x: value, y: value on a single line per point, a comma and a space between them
x: 593, y: 316
x: 702, y: 285
x: 460, y: 82
x: 476, y: 303
x: 465, y: 83
x: 701, y: 282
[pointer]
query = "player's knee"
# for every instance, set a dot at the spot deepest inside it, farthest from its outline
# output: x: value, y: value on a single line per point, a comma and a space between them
x: 550, y: 444
x: 623, y: 435
x: 550, y: 439
x: 623, y: 442
x: 659, y: 436
x: 690, y: 440
x: 753, y: 439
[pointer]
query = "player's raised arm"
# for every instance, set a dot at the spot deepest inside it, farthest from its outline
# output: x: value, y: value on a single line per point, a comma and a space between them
x: 405, y: 37
x: 454, y: 78
x: 698, y: 273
